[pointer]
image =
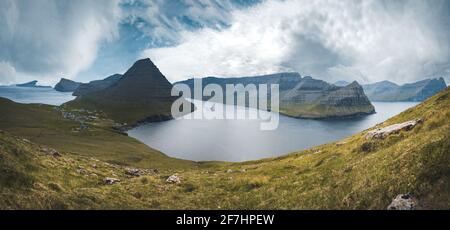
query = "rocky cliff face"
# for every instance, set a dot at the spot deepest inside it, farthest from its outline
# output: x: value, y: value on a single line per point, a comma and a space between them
x: 66, y: 85
x: 97, y: 85
x: 318, y: 99
x: 417, y: 91
x: 305, y: 96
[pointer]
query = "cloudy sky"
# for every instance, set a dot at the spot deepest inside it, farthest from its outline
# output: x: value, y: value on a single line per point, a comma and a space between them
x: 364, y: 40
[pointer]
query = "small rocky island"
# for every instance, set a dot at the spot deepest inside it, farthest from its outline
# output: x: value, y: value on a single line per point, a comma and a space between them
x: 31, y: 84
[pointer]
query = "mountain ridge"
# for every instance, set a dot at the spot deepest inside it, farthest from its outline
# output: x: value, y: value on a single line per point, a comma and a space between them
x: 303, y: 97
x: 142, y: 94
x: 416, y: 91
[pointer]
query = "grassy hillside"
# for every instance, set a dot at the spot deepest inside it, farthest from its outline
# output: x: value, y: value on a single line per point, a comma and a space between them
x: 354, y: 173
x: 126, y: 112
x: 44, y: 124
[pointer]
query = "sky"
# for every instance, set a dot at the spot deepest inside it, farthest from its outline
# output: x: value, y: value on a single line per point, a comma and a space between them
x: 363, y: 40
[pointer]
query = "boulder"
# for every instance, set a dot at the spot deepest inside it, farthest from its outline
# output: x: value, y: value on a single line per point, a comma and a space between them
x: 51, y: 152
x: 403, y: 202
x: 133, y: 172
x: 81, y: 171
x: 174, y: 179
x: 395, y: 128
x: 110, y: 180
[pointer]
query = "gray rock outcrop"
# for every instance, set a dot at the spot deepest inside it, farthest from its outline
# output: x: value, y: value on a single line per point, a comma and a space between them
x: 110, y: 180
x: 174, y: 179
x: 395, y: 128
x: 403, y: 202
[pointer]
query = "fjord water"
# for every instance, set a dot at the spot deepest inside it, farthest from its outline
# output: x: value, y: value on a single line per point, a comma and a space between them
x: 35, y: 95
x: 242, y: 140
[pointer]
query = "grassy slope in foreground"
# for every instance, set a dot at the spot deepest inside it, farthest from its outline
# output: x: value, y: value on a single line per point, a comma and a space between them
x: 354, y: 173
x: 44, y: 124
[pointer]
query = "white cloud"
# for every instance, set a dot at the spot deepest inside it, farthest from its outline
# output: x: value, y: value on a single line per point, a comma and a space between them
x: 7, y: 73
x: 162, y: 20
x: 47, y: 39
x: 333, y: 40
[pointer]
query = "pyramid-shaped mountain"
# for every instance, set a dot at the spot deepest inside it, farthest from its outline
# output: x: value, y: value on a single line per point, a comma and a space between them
x: 143, y: 82
x: 142, y: 94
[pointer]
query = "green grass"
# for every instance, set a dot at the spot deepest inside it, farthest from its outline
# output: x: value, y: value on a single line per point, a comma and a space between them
x: 45, y: 125
x: 354, y: 173
x: 125, y: 112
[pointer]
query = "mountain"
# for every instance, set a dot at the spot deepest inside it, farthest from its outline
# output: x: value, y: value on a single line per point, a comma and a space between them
x: 143, y: 93
x: 66, y: 85
x: 341, y: 83
x: 49, y: 166
x: 318, y: 99
x: 96, y: 85
x: 286, y: 80
x: 32, y: 84
x: 304, y: 97
x: 418, y: 91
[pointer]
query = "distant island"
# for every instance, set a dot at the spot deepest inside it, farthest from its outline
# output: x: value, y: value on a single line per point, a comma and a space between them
x: 32, y: 84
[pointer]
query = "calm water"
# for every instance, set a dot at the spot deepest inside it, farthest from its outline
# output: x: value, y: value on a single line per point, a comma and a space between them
x: 35, y: 95
x: 228, y: 140
x: 241, y: 140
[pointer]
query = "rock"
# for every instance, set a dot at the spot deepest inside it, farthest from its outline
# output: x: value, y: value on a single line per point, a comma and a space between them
x: 81, y: 171
x: 229, y: 171
x: 26, y: 140
x: 133, y: 172
x: 51, y: 151
x: 403, y: 202
x: 94, y: 166
x: 174, y: 179
x: 137, y: 195
x: 110, y: 180
x: 243, y: 170
x: 395, y: 128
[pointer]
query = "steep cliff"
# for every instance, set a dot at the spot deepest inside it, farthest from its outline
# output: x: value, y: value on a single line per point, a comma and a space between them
x: 318, y: 99
x: 96, y: 85
x: 66, y: 85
